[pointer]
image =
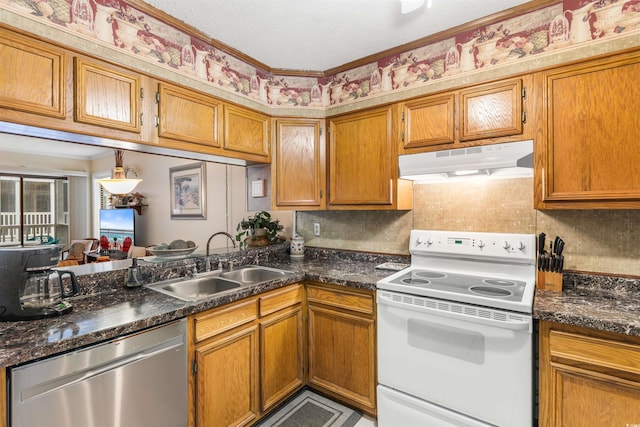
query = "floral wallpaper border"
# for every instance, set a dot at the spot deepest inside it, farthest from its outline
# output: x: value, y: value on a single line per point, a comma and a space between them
x: 116, y: 24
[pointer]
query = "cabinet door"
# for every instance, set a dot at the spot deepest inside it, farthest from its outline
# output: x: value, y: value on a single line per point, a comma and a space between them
x: 106, y: 97
x: 281, y: 364
x: 428, y: 121
x: 587, y: 380
x: 362, y: 160
x: 3, y: 396
x: 33, y: 76
x: 185, y: 115
x: 342, y: 355
x: 491, y: 110
x: 298, y: 165
x: 246, y: 131
x: 590, y: 154
x: 227, y: 379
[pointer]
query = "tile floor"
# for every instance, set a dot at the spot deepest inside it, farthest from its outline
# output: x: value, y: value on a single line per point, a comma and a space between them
x: 366, y: 421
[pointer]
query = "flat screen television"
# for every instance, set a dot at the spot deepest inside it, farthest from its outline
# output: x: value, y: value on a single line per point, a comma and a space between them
x: 119, y: 223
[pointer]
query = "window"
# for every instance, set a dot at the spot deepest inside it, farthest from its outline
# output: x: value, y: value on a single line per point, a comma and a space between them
x: 33, y: 210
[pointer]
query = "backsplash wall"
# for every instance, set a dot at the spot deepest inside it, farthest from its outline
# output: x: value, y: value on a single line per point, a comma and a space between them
x: 497, y: 206
x: 596, y: 240
x: 493, y: 205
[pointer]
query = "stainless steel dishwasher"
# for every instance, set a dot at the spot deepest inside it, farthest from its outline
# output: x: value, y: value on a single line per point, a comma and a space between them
x: 135, y: 381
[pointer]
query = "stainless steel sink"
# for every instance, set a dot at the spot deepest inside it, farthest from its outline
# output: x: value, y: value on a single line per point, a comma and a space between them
x: 253, y: 274
x: 195, y: 289
x: 206, y: 285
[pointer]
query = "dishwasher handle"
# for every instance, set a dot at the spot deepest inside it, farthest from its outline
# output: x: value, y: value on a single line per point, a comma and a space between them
x: 86, y: 374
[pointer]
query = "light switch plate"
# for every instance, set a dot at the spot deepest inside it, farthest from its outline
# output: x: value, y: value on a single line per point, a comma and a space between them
x: 257, y: 188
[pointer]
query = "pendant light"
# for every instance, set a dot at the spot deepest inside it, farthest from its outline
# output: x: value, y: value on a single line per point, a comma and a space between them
x: 118, y: 184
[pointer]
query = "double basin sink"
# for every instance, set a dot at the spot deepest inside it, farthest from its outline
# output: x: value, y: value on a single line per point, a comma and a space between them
x: 205, y: 285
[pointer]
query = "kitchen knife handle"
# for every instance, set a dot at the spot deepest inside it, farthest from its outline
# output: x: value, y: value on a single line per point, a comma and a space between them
x: 541, y: 242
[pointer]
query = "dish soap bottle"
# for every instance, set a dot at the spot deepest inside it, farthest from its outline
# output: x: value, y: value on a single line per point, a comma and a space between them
x: 133, y: 275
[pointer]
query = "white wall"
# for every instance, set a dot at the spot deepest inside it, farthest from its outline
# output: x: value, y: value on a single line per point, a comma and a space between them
x: 79, y: 208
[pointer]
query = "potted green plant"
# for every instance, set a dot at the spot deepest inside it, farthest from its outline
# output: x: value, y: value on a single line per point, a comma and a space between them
x: 258, y: 230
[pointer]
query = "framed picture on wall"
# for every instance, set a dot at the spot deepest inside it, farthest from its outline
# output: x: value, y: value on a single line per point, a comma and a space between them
x: 188, y: 191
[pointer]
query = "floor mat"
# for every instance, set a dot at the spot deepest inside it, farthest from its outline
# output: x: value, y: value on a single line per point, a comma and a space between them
x: 309, y: 409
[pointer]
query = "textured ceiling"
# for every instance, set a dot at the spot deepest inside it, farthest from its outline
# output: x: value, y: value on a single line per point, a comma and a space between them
x: 318, y: 35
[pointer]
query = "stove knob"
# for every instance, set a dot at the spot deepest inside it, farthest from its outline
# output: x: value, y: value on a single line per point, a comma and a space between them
x: 419, y: 241
x: 481, y: 244
x: 506, y: 245
x: 429, y: 241
x: 521, y: 246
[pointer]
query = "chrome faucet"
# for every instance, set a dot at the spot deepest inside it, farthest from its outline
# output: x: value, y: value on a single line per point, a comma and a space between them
x: 223, y: 233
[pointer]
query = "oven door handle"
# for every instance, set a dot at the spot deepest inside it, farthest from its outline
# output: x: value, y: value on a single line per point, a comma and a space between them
x: 515, y: 325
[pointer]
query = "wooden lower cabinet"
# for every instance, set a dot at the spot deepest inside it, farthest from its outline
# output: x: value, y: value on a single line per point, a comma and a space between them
x: 281, y: 362
x: 342, y: 349
x: 227, y: 377
x: 246, y: 357
x: 249, y: 356
x: 3, y: 397
x: 588, y: 377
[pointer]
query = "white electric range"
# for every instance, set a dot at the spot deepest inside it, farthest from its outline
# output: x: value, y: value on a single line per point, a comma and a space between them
x: 455, y: 332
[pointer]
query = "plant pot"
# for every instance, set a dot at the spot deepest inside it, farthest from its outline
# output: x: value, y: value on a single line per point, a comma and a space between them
x: 259, y: 238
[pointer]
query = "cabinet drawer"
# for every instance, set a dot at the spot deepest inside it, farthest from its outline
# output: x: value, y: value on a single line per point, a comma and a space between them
x: 362, y: 303
x: 602, y: 354
x: 282, y: 298
x: 220, y: 320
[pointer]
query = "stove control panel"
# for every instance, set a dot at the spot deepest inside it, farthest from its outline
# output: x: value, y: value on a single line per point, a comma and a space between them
x: 515, y: 247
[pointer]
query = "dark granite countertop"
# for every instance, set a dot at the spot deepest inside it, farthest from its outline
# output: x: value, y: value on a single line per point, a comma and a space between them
x: 105, y: 309
x: 599, y: 302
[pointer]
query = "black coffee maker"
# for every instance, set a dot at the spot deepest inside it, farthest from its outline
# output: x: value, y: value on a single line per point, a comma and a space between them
x: 29, y: 288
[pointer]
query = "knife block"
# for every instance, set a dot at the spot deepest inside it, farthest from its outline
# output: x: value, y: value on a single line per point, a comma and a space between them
x: 549, y: 281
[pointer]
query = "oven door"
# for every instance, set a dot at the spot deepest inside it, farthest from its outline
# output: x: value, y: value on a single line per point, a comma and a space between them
x: 470, y: 360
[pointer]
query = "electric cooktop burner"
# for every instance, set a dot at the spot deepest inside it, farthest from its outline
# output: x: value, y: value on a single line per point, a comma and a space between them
x: 456, y: 283
x: 495, y: 270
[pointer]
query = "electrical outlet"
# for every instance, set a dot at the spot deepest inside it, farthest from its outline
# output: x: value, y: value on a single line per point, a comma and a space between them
x: 316, y: 229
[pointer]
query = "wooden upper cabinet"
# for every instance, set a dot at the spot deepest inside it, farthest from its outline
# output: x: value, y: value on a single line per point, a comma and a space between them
x: 298, y: 165
x: 107, y: 97
x: 491, y: 110
x: 428, y: 121
x: 489, y: 113
x: 589, y: 155
x: 363, y: 163
x: 33, y: 76
x: 246, y: 131
x: 189, y: 116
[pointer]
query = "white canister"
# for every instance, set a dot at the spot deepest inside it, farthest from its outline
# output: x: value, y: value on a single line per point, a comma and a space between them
x: 297, y: 246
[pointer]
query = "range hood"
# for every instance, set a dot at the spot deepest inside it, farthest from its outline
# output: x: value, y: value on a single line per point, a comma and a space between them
x: 508, y: 160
